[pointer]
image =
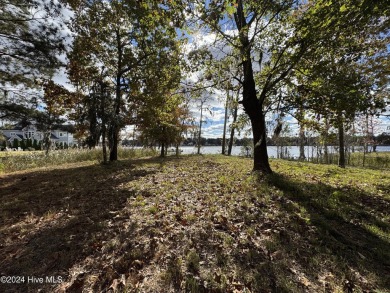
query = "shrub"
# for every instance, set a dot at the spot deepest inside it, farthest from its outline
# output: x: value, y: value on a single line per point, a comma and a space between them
x: 15, y: 143
x: 23, y: 144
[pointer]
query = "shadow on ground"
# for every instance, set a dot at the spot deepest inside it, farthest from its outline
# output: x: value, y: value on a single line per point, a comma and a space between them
x: 288, y: 236
x: 347, y: 224
x: 50, y: 220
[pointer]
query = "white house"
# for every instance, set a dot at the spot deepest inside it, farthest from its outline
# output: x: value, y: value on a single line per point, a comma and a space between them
x: 58, y: 136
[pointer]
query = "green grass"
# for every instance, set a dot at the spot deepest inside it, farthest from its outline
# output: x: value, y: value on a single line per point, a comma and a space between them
x: 198, y: 224
x: 373, y: 160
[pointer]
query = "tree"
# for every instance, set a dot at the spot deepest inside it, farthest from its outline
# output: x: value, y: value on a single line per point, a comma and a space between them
x: 23, y: 144
x: 18, y: 105
x: 164, y: 124
x: 15, y: 143
x: 130, y: 39
x: 244, y: 26
x: 343, y: 76
x: 272, y: 37
x: 35, y: 145
x: 233, y: 126
x: 57, y: 100
x: 30, y: 41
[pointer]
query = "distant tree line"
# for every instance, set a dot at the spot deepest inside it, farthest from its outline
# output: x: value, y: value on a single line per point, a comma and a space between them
x: 382, y: 139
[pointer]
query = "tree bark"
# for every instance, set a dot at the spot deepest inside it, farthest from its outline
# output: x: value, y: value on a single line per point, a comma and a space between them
x: 114, y: 129
x: 162, y: 154
x: 341, y: 143
x: 177, y: 150
x: 103, y: 114
x: 326, y: 151
x: 302, y: 156
x: 225, y: 122
x: 253, y: 106
x: 104, y: 144
x: 230, y: 147
x: 200, y: 127
x: 254, y: 109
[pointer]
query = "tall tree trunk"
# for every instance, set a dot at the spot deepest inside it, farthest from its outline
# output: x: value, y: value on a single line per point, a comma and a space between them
x: 253, y: 106
x: 114, y: 129
x: 260, y: 155
x: 341, y: 142
x: 230, y: 147
x: 302, y: 156
x: 47, y: 141
x: 353, y: 137
x: 225, y: 122
x: 254, y: 109
x: 177, y: 150
x: 365, y: 147
x: 114, y: 133
x: 301, y: 116
x: 326, y: 131
x: 200, y: 127
x: 104, y: 130
x: 162, y: 154
x: 326, y: 152
x: 104, y: 144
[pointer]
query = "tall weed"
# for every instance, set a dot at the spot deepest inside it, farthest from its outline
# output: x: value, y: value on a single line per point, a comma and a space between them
x: 58, y: 157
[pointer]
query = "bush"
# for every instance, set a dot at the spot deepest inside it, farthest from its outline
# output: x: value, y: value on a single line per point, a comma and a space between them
x: 15, y: 143
x: 23, y: 145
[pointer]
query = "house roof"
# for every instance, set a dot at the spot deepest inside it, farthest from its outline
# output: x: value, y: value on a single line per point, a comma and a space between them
x: 19, y: 127
x: 52, y: 136
x: 17, y: 136
x: 14, y: 128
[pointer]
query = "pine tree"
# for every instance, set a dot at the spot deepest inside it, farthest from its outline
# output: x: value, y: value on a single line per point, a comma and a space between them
x: 30, y: 40
x: 35, y: 145
x: 23, y: 144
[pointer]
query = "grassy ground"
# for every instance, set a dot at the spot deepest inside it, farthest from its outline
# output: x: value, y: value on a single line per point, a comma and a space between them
x: 4, y: 154
x: 373, y: 160
x: 16, y: 161
x: 196, y: 224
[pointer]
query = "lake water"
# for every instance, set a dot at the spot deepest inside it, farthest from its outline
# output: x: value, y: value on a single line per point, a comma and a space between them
x: 292, y: 151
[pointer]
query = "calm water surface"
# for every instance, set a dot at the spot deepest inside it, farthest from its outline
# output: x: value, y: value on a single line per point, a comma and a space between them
x: 293, y: 151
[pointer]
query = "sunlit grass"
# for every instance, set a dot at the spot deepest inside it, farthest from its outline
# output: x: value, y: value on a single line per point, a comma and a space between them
x: 4, y: 154
x: 17, y: 161
x: 375, y: 160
